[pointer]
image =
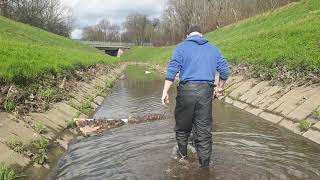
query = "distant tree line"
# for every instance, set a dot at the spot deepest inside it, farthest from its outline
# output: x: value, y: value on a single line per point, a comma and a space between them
x: 177, y: 18
x: 49, y: 15
x: 171, y: 28
x: 210, y: 14
x: 103, y: 31
x: 137, y: 28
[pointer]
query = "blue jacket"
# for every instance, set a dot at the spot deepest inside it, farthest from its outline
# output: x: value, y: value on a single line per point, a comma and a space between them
x: 196, y: 59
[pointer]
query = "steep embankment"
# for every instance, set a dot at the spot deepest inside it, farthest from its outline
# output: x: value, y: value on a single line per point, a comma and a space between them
x: 45, y: 81
x: 287, y: 37
x: 28, y: 53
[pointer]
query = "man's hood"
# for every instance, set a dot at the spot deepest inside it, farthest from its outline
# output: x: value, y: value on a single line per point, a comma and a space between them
x: 197, y: 39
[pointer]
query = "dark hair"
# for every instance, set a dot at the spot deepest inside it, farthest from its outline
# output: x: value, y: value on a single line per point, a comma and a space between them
x: 194, y: 28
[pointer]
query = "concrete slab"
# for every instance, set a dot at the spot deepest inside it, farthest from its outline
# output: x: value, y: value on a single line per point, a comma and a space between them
x: 94, y: 105
x: 10, y: 157
x: 80, y: 97
x: 232, y: 81
x: 53, y: 119
x: 305, y: 109
x: 99, y: 100
x: 228, y: 100
x: 242, y: 89
x: 291, y: 100
x: 254, y: 92
x: 87, y: 88
x: 232, y: 85
x: 271, y: 117
x: 53, y: 128
x: 66, y: 109
x: 316, y: 126
x: 290, y: 125
x: 313, y: 135
x: 14, y: 130
x: 267, y: 98
x: 240, y: 105
x: 253, y: 110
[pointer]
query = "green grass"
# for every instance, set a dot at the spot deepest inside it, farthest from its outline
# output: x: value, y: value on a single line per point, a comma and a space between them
x: 40, y: 128
x: 85, y: 107
x: 6, y: 173
x: 40, y: 148
x: 17, y: 146
x: 289, y: 36
x: 9, y: 105
x: 149, y: 54
x: 28, y: 53
x: 316, y: 114
x: 110, y: 82
x: 71, y: 123
x: 305, y: 125
x: 135, y: 72
x: 51, y: 94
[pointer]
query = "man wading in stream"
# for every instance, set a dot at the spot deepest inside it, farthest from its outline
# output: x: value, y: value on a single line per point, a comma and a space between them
x: 197, y: 61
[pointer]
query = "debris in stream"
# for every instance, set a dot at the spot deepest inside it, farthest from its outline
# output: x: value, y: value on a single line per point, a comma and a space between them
x: 146, y: 118
x: 88, y: 127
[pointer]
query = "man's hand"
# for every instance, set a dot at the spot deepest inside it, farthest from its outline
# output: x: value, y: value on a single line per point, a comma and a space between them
x: 218, y: 92
x: 165, y: 99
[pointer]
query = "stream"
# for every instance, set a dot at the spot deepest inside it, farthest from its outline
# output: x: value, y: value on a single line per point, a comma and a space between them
x: 244, y: 146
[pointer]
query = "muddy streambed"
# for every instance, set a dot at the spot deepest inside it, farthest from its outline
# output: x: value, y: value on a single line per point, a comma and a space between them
x: 245, y: 146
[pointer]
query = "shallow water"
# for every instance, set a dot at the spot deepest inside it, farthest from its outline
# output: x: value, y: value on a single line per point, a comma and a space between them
x: 245, y: 146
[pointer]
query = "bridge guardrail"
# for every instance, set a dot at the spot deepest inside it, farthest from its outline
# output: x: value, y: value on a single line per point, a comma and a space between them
x: 112, y: 44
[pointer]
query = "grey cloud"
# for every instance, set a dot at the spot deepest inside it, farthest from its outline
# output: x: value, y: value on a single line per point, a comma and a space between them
x: 90, y: 12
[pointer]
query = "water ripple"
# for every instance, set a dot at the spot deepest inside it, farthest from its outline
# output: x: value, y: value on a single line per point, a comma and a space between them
x: 245, y: 147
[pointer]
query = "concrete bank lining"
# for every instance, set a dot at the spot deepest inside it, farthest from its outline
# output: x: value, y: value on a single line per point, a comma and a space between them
x: 286, y: 106
x: 19, y: 128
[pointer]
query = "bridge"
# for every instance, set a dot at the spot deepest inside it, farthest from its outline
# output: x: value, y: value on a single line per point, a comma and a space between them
x: 112, y: 48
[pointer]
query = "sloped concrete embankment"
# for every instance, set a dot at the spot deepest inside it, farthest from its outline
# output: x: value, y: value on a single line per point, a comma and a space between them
x: 85, y: 98
x: 287, y: 106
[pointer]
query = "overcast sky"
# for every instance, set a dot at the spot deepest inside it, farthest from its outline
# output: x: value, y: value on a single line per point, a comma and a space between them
x: 90, y: 12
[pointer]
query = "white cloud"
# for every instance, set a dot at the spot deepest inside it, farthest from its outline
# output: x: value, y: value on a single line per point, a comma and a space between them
x: 76, y: 34
x: 90, y: 12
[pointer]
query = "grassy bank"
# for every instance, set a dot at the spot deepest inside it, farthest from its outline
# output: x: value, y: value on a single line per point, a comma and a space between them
x: 288, y: 37
x: 28, y: 53
x: 6, y: 173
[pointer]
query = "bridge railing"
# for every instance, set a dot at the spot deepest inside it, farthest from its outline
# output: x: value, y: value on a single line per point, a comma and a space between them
x: 112, y: 44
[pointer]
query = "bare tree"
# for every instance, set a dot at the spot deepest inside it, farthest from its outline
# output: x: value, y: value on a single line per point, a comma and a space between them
x: 49, y: 15
x: 103, y: 31
x: 210, y: 14
x: 138, y: 27
x: 3, y: 7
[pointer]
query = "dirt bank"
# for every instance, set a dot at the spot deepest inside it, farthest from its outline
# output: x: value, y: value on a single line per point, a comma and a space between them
x: 19, y: 131
x: 296, y: 108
